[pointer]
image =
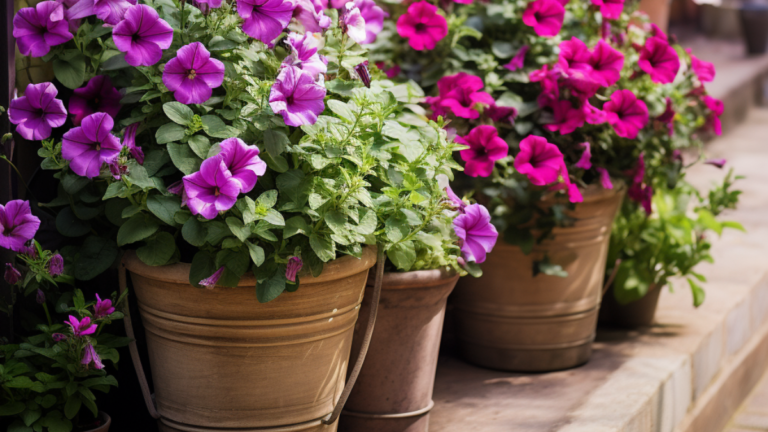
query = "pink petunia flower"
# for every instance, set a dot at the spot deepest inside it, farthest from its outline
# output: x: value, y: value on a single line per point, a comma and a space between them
x: 142, y: 35
x: 17, y: 225
x: 99, y: 95
x: 606, y: 63
x: 456, y: 202
x: 12, y: 275
x: 211, y: 281
x: 716, y: 107
x: 476, y: 234
x: 297, y: 97
x: 564, y: 182
x: 304, y: 54
x: 243, y: 162
x: 704, y: 70
x: 485, y: 147
x: 212, y: 189
x: 215, y: 4
x: 605, y: 178
x: 37, y: 112
x: 459, y: 94
x: 574, y: 57
x: 111, y: 11
x: 545, y: 16
x: 626, y: 113
x: 38, y: 29
x: 81, y: 328
x: 592, y: 114
x: 90, y: 356
x: 547, y: 79
x: 56, y: 265
x: 129, y: 141
x: 719, y: 163
x: 265, y: 19
x: 422, y: 26
x: 193, y: 74
x: 102, y: 308
x: 585, y: 161
x: 501, y: 114
x: 539, y: 160
x: 566, y: 118
x: 610, y: 9
x: 659, y: 60
x: 374, y: 19
x: 292, y: 269
x: 90, y: 145
x: 518, y: 60
x: 353, y: 23
x: 311, y: 15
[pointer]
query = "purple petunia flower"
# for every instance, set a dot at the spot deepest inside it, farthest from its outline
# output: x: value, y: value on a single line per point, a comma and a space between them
x: 311, y: 16
x: 99, y: 95
x: 38, y: 29
x: 37, y: 112
x: 193, y: 74
x: 111, y: 11
x: 90, y: 356
x: 243, y: 162
x: 212, y: 189
x: 476, y: 233
x: 210, y: 3
x: 265, y: 19
x: 362, y: 72
x: 374, y: 19
x: 456, y: 202
x: 297, y: 97
x: 102, y: 308
x: 304, y: 54
x: 88, y: 146
x: 353, y: 23
x: 142, y: 35
x: 294, y: 266
x: 211, y: 281
x: 129, y: 140
x: 56, y: 265
x: 12, y: 274
x: 17, y: 225
x: 81, y: 328
x: 40, y: 296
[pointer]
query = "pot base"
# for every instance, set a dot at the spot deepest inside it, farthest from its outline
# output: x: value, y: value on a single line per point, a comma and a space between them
x: 166, y: 425
x: 540, y: 359
x: 404, y: 424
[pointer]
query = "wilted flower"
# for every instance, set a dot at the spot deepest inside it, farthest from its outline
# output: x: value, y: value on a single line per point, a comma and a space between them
x: 704, y: 70
x: 243, y: 162
x: 626, y: 113
x: 117, y: 169
x: 659, y: 60
x: 40, y: 296
x: 297, y: 97
x: 485, y: 147
x: 56, y: 265
x: 17, y: 225
x: 605, y: 178
x: 88, y: 146
x: 294, y: 265
x: 362, y: 71
x: 142, y: 35
x: 58, y: 337
x: 211, y: 281
x: 265, y: 19
x: 353, y: 23
x: 37, y: 112
x: 518, y: 60
x: 212, y: 189
x: 90, y: 356
x: 129, y: 141
x: 476, y: 233
x: 81, y: 328
x: 501, y: 114
x: 422, y: 26
x: 390, y: 72
x: 539, y: 160
x: 545, y: 16
x: 102, y: 308
x: 99, y: 95
x: 193, y: 74
x: 12, y: 275
x: 716, y: 162
x: 585, y: 162
x: 39, y: 28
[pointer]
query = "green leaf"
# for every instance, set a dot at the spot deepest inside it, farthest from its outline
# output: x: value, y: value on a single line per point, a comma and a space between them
x: 277, y: 164
x: 158, y: 250
x: 170, y: 132
x: 201, y: 145
x: 164, y: 207
x: 402, y: 255
x: 708, y: 221
x: 368, y: 221
x: 184, y: 158
x: 235, y: 263
x: 72, y: 183
x: 95, y: 256
x: 268, y: 199
x: 115, y: 189
x: 324, y: 247
x: 48, y: 401
x: 240, y: 231
x: 295, y: 225
x: 215, y: 127
x: 194, y: 232
x: 218, y: 43
x: 272, y: 287
x: 72, y: 407
x: 31, y: 414
x: 256, y: 252
x: 396, y: 227
x: 275, y: 142
x: 12, y: 408
x: 734, y: 225
x: 342, y: 110
x: 137, y: 228
x: 698, y: 293
x: 203, y: 266
x: 274, y: 217
x: 216, y: 232
x: 69, y: 225
x: 19, y: 426
x: 178, y: 112
x: 69, y: 68
x: 294, y: 186
x: 115, y: 62
x: 137, y: 175
x: 19, y: 382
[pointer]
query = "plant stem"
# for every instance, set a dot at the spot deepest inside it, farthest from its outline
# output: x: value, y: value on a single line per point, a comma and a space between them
x: 21, y: 178
x: 47, y: 314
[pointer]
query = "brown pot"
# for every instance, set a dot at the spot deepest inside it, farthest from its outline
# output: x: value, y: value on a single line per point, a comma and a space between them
x: 658, y: 12
x: 221, y: 360
x: 106, y: 422
x: 393, y: 392
x: 635, y: 314
x: 511, y: 320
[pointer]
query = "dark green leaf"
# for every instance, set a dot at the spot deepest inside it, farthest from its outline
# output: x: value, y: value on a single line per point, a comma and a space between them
x: 69, y: 68
x: 324, y: 247
x: 72, y: 407
x: 203, y: 266
x: 158, y: 250
x: 69, y: 225
x: 275, y: 142
x: 95, y: 257
x: 184, y: 158
x: 194, y: 232
x: 178, y: 112
x: 169, y: 132
x: 164, y: 207
x: 137, y: 228
x: 272, y: 287
x: 201, y: 145
x: 402, y: 255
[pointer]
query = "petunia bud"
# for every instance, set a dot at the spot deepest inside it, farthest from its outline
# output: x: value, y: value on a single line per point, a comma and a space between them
x: 294, y: 265
x: 58, y: 337
x: 716, y: 162
x: 210, y: 282
x: 90, y: 356
x: 40, y: 297
x: 56, y: 265
x: 12, y: 276
x: 102, y: 308
x: 176, y: 187
x: 362, y: 72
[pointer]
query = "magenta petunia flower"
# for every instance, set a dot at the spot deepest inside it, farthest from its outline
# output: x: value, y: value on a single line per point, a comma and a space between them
x: 585, y: 161
x: 38, y: 29
x: 626, y: 113
x: 56, y: 265
x: 58, y: 337
x: 716, y: 162
x: 611, y: 9
x: 390, y: 72
x: 422, y: 26
x: 642, y: 194
x: 90, y: 356
x: 102, y: 308
x: 374, y: 19
x: 311, y: 15
x: 297, y: 97
x: 455, y: 201
x: 574, y: 58
x: 111, y: 11
x: 12, y: 275
x: 501, y: 114
x: 545, y: 16
x: 99, y: 95
x: 243, y: 162
x: 17, y: 225
x: 606, y: 63
x: 215, y: 4
x: 142, y: 36
x: 485, y: 148
x: 659, y: 60
x: 353, y: 23
x: 81, y: 328
x: 292, y: 269
x: 193, y: 74
x: 477, y: 236
x: 704, y: 70
x: 605, y: 178
x: 304, y: 53
x: 566, y: 118
x: 592, y: 114
x: 518, y: 60
x: 212, y: 189
x: 547, y: 79
x: 37, y: 112
x: 717, y: 108
x: 459, y: 94
x: 211, y: 281
x: 265, y: 19
x: 90, y: 145
x: 75, y: 10
x: 539, y: 160
x: 129, y: 140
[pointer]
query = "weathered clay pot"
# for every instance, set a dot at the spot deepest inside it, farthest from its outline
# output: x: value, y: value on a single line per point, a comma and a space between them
x: 393, y: 392
x: 511, y: 320
x: 106, y: 422
x: 635, y: 314
x: 222, y: 361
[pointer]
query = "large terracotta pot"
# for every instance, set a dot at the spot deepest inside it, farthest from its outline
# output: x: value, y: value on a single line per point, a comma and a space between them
x: 511, y: 320
x: 221, y: 360
x: 393, y: 392
x: 638, y: 313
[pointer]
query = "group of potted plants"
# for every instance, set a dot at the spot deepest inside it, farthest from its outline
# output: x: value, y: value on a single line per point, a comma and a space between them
x: 244, y: 164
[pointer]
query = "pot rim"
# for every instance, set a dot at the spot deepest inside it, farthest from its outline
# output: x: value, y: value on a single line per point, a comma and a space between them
x: 416, y: 278
x: 339, y: 268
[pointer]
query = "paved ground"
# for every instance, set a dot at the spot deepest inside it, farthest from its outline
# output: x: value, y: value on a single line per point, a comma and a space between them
x: 753, y: 414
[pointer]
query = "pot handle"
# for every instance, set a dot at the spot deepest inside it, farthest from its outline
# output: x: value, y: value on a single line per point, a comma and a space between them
x: 332, y: 417
x: 611, y: 277
x: 148, y: 399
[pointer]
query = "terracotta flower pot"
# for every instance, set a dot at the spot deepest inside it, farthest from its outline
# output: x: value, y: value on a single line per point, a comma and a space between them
x: 511, y: 320
x: 221, y: 360
x: 393, y: 392
x: 638, y: 313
